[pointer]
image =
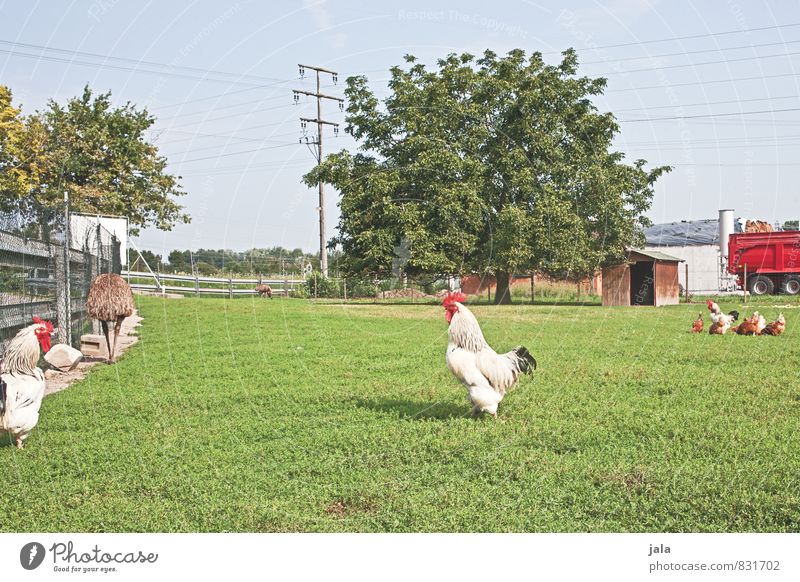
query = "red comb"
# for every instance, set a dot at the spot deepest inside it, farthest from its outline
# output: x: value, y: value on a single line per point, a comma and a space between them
x: 47, y: 324
x: 453, y: 298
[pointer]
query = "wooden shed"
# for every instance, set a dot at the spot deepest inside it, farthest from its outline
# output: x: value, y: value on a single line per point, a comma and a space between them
x: 646, y: 278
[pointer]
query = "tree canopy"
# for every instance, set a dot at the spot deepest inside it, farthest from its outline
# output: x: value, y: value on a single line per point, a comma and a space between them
x: 97, y: 153
x: 486, y: 165
x: 15, y: 175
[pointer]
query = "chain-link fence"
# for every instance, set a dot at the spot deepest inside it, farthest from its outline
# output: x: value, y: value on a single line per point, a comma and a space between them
x: 47, y: 263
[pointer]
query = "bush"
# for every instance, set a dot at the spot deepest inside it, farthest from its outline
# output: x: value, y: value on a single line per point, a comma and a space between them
x: 330, y: 288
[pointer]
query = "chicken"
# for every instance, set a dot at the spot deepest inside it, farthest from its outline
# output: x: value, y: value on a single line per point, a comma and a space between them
x: 752, y: 325
x: 721, y: 322
x: 24, y: 381
x: 777, y: 327
x: 697, y: 324
x: 760, y: 322
x: 486, y: 374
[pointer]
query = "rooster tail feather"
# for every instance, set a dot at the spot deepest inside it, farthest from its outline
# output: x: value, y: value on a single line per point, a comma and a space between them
x: 525, y: 361
x: 3, y: 392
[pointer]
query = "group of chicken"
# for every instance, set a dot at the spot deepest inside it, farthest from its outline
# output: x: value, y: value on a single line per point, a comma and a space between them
x: 721, y: 323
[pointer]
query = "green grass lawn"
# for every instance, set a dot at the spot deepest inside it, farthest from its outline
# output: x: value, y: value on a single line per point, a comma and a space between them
x: 286, y: 415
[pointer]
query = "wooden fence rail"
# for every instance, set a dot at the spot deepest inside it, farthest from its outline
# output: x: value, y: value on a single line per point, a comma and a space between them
x: 160, y: 284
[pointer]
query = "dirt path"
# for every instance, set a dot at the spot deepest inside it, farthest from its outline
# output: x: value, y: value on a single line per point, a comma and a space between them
x: 57, y: 381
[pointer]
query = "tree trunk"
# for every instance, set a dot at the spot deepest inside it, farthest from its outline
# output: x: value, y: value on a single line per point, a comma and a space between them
x: 502, y: 295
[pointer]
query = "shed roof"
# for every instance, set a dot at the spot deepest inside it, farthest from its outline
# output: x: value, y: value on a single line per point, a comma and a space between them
x: 656, y: 255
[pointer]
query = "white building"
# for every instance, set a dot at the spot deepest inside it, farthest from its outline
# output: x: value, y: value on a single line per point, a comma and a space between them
x: 697, y: 242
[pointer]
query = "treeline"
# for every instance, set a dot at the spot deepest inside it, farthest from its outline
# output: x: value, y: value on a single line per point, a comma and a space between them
x: 267, y: 261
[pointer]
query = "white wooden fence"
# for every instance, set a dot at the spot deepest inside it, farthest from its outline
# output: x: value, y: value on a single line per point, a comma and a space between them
x: 231, y: 287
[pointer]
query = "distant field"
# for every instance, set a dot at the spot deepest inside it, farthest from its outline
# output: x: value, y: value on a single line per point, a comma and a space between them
x: 286, y: 415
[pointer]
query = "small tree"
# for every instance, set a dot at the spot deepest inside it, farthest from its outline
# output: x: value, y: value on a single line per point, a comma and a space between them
x: 99, y: 155
x: 489, y: 165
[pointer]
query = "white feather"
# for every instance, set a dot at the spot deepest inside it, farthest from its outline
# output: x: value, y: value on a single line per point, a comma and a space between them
x: 24, y: 385
x: 485, y: 373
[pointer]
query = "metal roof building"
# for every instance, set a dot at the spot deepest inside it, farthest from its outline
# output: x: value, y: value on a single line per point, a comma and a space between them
x: 697, y: 243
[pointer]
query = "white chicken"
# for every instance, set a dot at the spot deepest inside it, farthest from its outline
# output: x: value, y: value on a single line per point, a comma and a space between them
x: 23, y: 382
x: 721, y: 322
x: 485, y: 373
x: 760, y: 321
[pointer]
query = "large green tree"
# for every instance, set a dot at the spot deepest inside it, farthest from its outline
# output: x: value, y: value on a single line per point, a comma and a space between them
x: 490, y: 165
x: 99, y: 154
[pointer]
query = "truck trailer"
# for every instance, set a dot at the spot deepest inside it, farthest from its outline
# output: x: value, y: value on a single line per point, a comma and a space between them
x: 771, y: 261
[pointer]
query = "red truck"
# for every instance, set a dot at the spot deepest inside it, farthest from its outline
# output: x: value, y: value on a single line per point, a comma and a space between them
x: 772, y: 260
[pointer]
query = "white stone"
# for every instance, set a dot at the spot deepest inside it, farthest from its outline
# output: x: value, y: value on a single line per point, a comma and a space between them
x: 63, y: 357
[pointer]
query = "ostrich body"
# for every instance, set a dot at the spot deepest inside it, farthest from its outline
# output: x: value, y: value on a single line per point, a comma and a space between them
x: 110, y: 300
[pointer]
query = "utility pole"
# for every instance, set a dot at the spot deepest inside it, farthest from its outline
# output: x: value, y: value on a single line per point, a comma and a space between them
x: 323, y: 252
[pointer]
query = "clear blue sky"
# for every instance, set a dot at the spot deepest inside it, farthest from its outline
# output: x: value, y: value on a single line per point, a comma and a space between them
x: 234, y: 138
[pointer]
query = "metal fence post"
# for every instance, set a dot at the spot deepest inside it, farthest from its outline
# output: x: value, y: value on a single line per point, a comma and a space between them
x: 686, y: 290
x: 230, y: 288
x: 98, y: 234
x: 196, y: 285
x: 60, y: 256
x: 90, y: 272
x: 533, y: 287
x: 116, y: 257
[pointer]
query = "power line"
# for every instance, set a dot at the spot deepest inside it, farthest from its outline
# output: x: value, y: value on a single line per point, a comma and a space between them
x: 775, y: 145
x: 217, y: 96
x: 139, y: 62
x: 229, y: 116
x: 725, y: 61
x: 710, y: 115
x: 704, y: 82
x: 230, y: 135
x: 745, y: 141
x: 233, y: 154
x: 739, y: 165
x: 734, y: 101
x: 230, y: 106
x: 124, y: 68
x: 219, y: 146
x: 684, y: 53
x: 688, y: 37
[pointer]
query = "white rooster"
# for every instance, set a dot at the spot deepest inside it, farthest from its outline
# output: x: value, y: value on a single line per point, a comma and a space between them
x: 721, y: 322
x: 23, y: 382
x: 485, y: 373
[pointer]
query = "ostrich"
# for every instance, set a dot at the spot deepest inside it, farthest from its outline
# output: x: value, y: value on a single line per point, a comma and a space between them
x: 110, y: 299
x: 264, y: 290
